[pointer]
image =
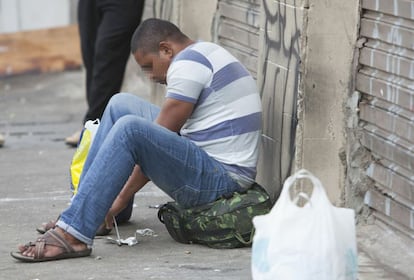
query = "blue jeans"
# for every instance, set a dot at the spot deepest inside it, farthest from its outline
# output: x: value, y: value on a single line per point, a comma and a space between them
x: 128, y: 136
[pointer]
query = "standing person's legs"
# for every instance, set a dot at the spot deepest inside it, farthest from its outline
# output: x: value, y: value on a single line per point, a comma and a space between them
x: 105, y: 28
x: 88, y: 22
x: 118, y: 21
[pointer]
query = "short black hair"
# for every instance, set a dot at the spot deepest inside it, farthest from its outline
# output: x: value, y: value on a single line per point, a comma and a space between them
x: 151, y: 32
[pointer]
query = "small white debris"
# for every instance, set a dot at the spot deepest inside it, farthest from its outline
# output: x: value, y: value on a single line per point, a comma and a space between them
x: 145, y: 232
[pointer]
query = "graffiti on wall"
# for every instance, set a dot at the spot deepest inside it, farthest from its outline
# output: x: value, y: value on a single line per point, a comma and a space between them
x: 278, y: 80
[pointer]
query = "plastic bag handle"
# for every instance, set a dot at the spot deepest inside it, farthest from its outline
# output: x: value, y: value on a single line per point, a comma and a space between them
x: 318, y: 192
x: 301, y: 195
x: 92, y: 126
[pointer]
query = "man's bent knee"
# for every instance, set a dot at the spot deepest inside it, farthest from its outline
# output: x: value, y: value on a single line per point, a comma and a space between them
x: 122, y: 99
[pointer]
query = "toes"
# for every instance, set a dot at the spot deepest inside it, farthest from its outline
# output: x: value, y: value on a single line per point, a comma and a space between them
x: 26, y: 250
x: 22, y: 248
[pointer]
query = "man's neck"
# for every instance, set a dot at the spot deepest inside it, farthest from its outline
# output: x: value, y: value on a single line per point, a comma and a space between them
x: 179, y: 47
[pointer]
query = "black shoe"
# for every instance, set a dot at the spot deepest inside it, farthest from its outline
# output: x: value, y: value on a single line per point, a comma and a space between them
x: 103, y: 231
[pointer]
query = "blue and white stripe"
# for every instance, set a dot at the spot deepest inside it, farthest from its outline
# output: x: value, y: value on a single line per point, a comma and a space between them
x: 226, y: 121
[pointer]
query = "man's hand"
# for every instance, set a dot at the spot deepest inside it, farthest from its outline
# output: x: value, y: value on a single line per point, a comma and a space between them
x: 109, y: 220
x: 135, y: 182
x: 117, y: 206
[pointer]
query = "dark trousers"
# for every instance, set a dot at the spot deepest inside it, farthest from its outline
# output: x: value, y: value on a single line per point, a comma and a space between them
x: 106, y: 28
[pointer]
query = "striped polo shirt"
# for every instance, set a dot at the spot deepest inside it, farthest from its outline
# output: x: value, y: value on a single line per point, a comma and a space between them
x: 227, y: 117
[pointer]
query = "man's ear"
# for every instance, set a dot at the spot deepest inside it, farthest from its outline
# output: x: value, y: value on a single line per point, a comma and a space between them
x: 165, y: 48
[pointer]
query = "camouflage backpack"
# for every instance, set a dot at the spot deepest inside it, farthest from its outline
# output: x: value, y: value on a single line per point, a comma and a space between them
x: 224, y: 223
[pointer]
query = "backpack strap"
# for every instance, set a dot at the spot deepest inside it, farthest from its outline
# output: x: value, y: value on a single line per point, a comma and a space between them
x: 240, y: 238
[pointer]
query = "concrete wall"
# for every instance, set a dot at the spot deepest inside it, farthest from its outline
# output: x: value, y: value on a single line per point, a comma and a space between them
x: 305, y: 77
x: 196, y: 18
x: 22, y: 15
x: 330, y: 37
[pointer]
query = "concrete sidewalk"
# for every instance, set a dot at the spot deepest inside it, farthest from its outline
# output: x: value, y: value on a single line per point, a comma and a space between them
x: 36, y: 113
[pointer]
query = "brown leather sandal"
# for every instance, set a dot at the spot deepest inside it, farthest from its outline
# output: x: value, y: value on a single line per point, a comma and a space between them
x: 46, y: 226
x: 51, y: 238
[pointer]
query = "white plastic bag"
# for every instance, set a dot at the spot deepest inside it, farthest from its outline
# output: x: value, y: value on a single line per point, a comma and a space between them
x: 316, y: 241
x: 92, y: 127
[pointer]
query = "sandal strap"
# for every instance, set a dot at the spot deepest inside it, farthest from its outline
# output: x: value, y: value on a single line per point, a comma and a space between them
x: 50, y: 238
x: 40, y: 248
x: 63, y: 243
x: 47, y: 226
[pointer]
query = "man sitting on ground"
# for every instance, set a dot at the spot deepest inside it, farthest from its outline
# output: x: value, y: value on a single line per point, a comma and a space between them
x: 201, y: 144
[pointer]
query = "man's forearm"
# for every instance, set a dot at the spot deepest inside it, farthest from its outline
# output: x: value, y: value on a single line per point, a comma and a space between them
x: 135, y: 182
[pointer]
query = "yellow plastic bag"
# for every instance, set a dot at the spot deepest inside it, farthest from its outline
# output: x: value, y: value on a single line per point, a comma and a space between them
x: 81, y: 153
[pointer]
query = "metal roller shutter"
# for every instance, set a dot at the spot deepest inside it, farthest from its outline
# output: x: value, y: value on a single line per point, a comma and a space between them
x: 386, y: 83
x: 237, y: 29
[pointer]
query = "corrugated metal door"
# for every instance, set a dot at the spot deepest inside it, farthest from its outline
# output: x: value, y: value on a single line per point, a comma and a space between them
x: 386, y: 83
x: 237, y: 29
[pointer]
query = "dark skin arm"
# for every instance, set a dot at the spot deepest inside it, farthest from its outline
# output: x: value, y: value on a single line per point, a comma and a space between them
x: 172, y: 116
x: 174, y: 113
